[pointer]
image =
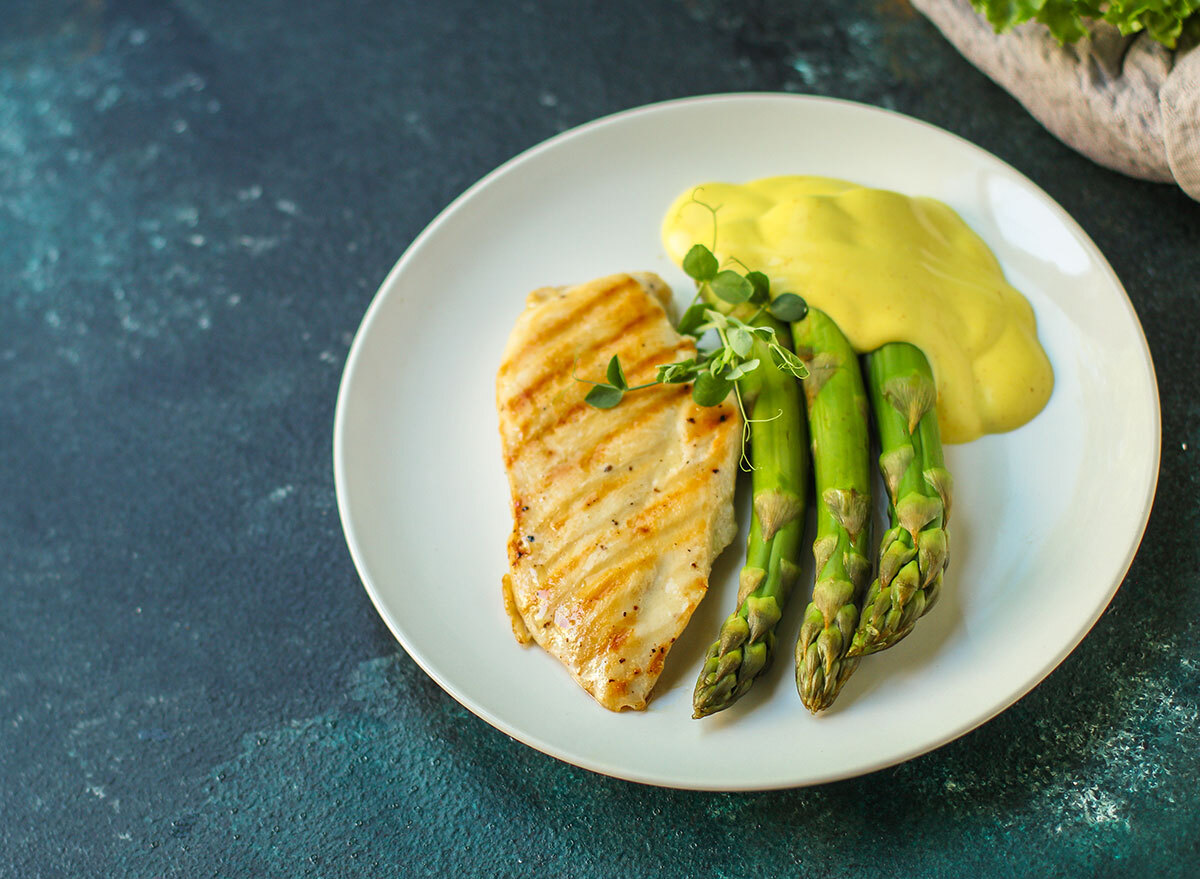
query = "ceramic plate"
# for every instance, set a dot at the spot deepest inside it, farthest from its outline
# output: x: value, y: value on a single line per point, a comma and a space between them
x: 1050, y: 514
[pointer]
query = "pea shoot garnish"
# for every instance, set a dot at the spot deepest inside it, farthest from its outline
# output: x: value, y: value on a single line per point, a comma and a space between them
x: 715, y: 370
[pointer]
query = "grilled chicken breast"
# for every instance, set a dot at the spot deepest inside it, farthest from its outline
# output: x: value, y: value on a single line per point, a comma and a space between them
x: 618, y: 514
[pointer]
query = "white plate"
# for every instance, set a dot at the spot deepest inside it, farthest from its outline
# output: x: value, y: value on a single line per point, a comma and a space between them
x: 1047, y: 518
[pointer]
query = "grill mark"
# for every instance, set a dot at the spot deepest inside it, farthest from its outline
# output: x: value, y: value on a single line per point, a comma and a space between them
x: 712, y: 449
x: 703, y: 452
x: 635, y: 469
x: 601, y: 486
x: 557, y: 368
x: 616, y: 577
x: 639, y: 569
x: 579, y: 410
x: 679, y: 530
x: 616, y: 480
x: 598, y: 626
x: 665, y: 347
x: 618, y: 637
x: 559, y: 357
x: 556, y: 343
x: 514, y: 544
x: 665, y: 354
x: 570, y: 415
x: 652, y: 408
x: 566, y: 562
x: 683, y: 527
x: 530, y: 348
x: 556, y: 518
x: 575, y: 309
x: 659, y: 355
x: 639, y: 574
x: 683, y: 499
x: 643, y: 417
x: 656, y: 662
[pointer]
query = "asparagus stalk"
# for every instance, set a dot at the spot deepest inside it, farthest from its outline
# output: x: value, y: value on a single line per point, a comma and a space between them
x: 913, y: 552
x: 779, y: 456
x: 837, y: 415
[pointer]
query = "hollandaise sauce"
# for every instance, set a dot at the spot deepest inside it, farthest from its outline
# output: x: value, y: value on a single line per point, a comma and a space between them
x: 886, y: 267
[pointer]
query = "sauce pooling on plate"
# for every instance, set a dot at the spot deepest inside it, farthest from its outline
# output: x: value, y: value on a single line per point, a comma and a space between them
x: 886, y: 268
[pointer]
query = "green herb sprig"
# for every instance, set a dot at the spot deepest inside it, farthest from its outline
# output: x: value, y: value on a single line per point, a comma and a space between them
x: 607, y: 394
x: 715, y: 371
x: 1170, y: 22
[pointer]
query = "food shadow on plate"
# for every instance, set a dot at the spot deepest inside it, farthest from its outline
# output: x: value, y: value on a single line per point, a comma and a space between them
x: 920, y: 649
x: 686, y: 658
x: 942, y: 623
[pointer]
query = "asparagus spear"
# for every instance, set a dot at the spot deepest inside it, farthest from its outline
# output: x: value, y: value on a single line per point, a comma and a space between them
x: 913, y: 552
x: 778, y: 454
x: 837, y: 415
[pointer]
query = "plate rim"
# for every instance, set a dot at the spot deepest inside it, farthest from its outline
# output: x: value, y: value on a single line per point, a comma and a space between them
x: 1014, y: 695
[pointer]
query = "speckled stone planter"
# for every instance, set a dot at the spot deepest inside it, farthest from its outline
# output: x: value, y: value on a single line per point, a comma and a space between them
x: 1126, y: 102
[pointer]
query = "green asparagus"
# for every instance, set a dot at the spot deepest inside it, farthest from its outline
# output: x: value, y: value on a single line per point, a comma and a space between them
x: 837, y: 415
x: 913, y: 553
x: 779, y: 457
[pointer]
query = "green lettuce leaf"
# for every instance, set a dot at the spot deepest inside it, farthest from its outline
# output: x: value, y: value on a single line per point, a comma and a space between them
x: 1067, y: 20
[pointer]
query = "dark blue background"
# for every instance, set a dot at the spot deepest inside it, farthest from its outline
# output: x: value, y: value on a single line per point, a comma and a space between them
x: 197, y: 202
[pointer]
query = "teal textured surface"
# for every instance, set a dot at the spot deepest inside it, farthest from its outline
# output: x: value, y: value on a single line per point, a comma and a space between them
x: 197, y: 202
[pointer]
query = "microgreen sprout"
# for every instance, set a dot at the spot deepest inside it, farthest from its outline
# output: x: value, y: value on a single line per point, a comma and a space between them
x: 715, y: 371
x: 607, y: 394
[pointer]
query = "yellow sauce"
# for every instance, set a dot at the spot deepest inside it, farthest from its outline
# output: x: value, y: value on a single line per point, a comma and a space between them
x: 886, y: 268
